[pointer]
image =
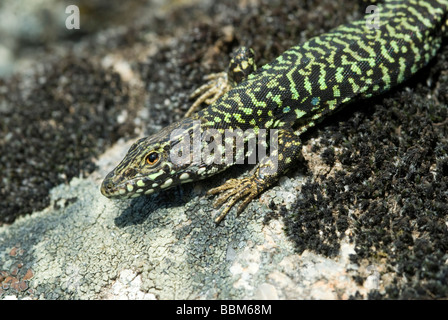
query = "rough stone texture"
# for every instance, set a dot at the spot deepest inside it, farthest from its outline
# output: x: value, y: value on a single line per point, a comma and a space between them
x: 364, y: 216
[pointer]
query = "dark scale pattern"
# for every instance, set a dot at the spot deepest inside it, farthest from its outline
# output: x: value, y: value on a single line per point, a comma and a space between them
x: 291, y: 94
x: 389, y: 194
x: 336, y: 67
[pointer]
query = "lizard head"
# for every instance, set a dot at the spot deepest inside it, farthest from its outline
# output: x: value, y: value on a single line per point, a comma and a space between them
x: 155, y: 163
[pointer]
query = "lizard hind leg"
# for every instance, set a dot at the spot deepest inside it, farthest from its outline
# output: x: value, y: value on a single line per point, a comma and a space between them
x: 241, y: 66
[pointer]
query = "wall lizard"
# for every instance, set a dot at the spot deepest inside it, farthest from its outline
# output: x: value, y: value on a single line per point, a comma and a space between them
x: 290, y: 94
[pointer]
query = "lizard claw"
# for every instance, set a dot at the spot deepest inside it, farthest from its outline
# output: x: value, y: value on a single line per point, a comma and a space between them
x: 232, y: 191
x: 216, y: 86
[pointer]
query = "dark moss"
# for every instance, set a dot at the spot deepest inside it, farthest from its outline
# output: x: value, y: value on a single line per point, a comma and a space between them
x: 52, y: 132
x: 328, y: 156
x: 393, y: 182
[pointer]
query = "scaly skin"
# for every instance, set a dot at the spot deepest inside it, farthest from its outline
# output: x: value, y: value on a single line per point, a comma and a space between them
x: 290, y: 94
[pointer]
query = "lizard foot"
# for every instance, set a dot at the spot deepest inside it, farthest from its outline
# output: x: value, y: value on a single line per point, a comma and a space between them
x: 234, y: 190
x: 216, y: 86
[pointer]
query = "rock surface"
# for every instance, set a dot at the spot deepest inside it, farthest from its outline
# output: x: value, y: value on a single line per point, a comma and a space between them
x: 364, y: 216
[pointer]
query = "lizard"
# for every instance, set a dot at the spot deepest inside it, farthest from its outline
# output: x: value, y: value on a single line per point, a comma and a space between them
x: 291, y: 94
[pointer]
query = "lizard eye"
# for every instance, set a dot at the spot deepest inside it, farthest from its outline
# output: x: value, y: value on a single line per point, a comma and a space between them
x: 152, y: 158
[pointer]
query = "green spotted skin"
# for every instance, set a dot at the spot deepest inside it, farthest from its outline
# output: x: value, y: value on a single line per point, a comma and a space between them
x: 290, y: 94
x: 348, y: 63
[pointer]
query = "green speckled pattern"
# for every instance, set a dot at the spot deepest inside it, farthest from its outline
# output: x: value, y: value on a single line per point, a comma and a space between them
x: 350, y: 62
x: 290, y: 94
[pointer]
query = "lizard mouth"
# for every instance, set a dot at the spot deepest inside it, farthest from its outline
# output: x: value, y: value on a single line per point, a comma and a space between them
x: 128, y: 189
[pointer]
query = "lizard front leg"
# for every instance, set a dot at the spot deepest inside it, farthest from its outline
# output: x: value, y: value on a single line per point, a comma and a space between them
x: 261, y: 177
